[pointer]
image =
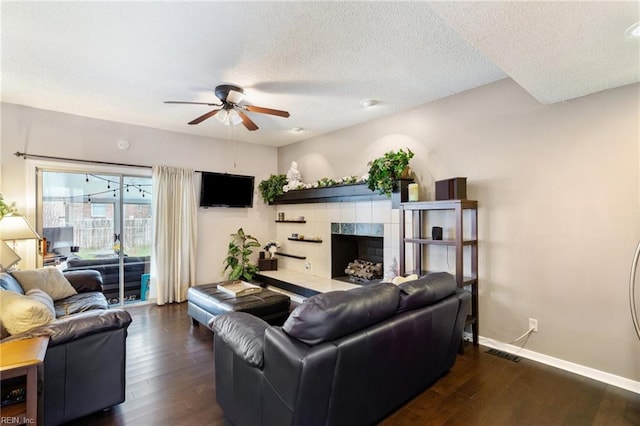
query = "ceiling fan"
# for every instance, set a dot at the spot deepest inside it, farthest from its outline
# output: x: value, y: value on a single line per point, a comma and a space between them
x: 232, y: 112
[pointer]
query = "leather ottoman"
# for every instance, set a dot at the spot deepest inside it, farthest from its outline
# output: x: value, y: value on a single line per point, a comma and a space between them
x: 205, y: 302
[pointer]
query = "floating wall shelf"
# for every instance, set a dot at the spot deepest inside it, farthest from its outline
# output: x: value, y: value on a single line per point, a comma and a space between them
x: 342, y: 193
x: 302, y: 240
x: 295, y: 256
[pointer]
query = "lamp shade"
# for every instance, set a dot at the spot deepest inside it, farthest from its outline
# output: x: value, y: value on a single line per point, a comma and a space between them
x: 8, y: 257
x: 16, y: 227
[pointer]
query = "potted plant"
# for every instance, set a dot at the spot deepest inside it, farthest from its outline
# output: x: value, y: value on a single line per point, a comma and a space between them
x: 6, y: 209
x: 238, y: 256
x: 385, y: 170
x: 272, y: 187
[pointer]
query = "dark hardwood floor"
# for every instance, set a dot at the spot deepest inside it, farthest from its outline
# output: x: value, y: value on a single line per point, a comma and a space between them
x: 170, y: 382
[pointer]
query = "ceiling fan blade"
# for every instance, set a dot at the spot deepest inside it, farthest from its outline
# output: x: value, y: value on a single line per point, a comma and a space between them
x: 204, y: 117
x: 262, y: 110
x: 191, y: 103
x: 248, y: 123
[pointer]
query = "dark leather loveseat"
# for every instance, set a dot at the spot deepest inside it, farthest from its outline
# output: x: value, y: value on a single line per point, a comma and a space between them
x: 84, y: 366
x: 109, y: 268
x: 341, y: 358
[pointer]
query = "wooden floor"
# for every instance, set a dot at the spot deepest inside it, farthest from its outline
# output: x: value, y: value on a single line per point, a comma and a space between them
x: 170, y: 382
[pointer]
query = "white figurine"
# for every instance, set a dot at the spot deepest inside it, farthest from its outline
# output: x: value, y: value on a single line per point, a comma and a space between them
x: 293, y: 177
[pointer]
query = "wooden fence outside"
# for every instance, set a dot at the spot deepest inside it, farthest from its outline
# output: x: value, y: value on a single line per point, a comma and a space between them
x: 98, y: 234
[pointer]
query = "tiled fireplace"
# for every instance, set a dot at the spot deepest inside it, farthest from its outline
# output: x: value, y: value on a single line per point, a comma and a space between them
x: 343, y: 232
x: 356, y: 241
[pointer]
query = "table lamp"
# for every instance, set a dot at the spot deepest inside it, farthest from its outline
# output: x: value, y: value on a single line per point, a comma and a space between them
x: 8, y: 257
x: 14, y: 227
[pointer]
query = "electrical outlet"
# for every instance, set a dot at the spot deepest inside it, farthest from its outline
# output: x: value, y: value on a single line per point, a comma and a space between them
x: 307, y: 265
x: 533, y: 324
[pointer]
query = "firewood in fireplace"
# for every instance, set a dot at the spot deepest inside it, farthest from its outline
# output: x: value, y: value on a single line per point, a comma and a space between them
x: 363, y: 269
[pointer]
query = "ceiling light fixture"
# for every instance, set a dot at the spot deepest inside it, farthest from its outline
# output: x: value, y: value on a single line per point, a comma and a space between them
x: 229, y: 117
x: 296, y: 129
x: 367, y: 103
x: 633, y: 31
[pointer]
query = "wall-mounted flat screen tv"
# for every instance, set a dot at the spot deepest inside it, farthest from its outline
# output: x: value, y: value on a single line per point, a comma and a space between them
x: 226, y: 190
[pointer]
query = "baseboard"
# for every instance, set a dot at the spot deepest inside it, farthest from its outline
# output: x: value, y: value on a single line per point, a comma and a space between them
x: 592, y: 373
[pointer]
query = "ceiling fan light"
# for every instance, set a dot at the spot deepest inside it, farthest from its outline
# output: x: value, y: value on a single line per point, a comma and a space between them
x: 223, y: 117
x: 235, y: 97
x: 234, y: 117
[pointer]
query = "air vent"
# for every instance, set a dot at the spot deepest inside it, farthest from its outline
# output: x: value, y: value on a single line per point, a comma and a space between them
x: 504, y: 355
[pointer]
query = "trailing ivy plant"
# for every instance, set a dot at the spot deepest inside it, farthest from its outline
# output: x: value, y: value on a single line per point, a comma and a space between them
x: 272, y: 187
x: 385, y: 170
x: 238, y: 256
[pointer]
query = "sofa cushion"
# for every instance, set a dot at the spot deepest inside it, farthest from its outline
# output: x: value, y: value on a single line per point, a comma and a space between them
x: 48, y: 279
x: 243, y: 333
x: 20, y: 313
x: 426, y: 290
x: 80, y: 302
x: 84, y: 280
x: 331, y: 315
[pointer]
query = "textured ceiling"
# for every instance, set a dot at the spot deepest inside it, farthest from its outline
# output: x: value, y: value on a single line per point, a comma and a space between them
x: 317, y: 60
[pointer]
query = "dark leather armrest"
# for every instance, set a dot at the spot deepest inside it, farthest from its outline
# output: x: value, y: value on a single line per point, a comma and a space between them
x: 73, y: 327
x: 85, y: 280
x: 243, y: 333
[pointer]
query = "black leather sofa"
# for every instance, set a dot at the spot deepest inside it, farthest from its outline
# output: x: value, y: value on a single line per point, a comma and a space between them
x: 84, y: 366
x: 341, y: 358
x: 109, y: 268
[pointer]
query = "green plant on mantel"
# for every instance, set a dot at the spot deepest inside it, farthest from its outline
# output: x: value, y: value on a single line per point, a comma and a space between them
x: 238, y: 256
x: 5, y: 208
x: 272, y: 187
x: 386, y: 170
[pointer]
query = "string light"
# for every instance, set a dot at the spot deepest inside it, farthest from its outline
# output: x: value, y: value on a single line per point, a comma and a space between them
x: 140, y: 186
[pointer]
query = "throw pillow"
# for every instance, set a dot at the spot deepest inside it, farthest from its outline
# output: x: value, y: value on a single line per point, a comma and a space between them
x: 20, y: 313
x: 48, y: 279
x: 42, y: 297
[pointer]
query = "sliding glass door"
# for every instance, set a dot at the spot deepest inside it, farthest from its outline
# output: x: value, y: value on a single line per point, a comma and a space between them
x: 102, y: 222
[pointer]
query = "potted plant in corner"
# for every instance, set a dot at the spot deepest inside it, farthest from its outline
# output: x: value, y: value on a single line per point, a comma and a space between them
x: 238, y: 256
x: 386, y: 170
x: 272, y: 187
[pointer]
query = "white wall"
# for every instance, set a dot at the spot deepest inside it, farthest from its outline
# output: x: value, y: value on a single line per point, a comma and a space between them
x: 558, y: 190
x: 62, y: 135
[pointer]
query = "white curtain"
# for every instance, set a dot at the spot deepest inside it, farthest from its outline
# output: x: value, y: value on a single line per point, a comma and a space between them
x: 175, y: 230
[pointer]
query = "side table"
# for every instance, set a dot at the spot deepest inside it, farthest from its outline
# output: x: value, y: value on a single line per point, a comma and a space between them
x: 22, y: 358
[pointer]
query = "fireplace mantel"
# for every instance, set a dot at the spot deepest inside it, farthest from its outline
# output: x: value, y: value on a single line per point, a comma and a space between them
x: 343, y: 193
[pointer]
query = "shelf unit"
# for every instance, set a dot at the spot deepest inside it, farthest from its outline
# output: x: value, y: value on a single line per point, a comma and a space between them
x: 291, y: 221
x: 459, y: 242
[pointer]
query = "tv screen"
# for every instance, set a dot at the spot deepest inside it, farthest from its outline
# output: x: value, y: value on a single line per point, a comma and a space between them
x: 225, y: 190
